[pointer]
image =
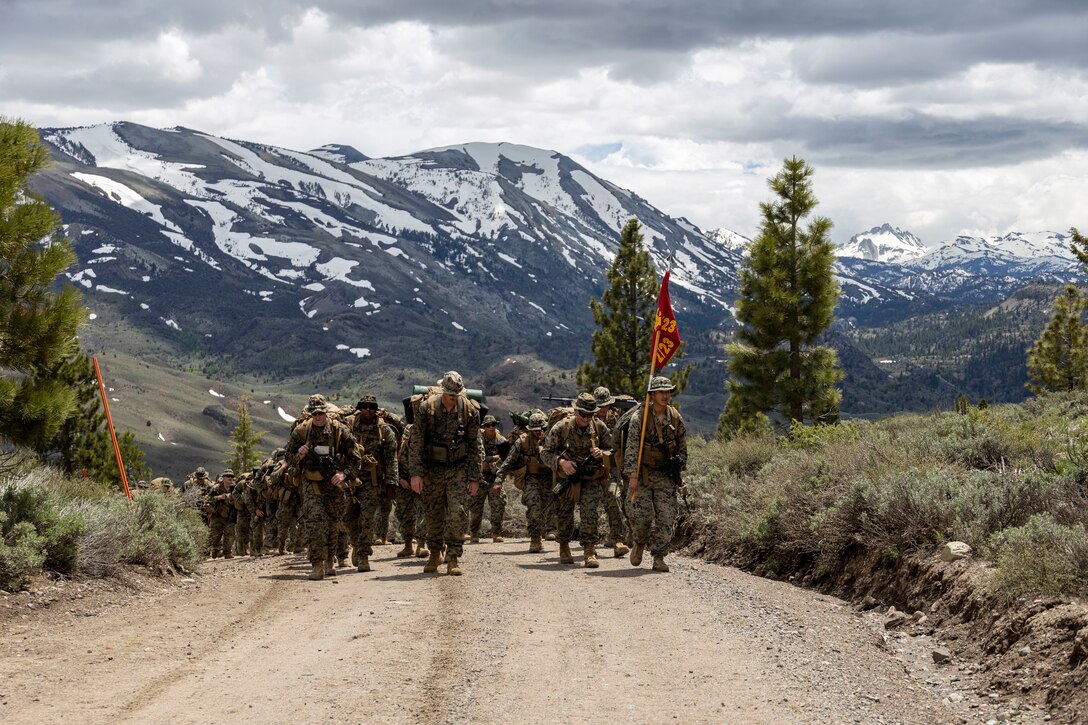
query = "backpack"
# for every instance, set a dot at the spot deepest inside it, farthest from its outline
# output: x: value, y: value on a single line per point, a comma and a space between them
x: 431, y: 397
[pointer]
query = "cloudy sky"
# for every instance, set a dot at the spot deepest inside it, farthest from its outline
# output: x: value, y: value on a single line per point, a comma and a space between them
x: 938, y: 116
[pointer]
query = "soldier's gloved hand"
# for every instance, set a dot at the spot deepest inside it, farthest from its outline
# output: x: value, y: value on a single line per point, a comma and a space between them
x: 417, y: 484
x: 338, y: 479
x: 567, y: 467
x: 303, y: 450
x: 473, y: 488
x: 596, y: 452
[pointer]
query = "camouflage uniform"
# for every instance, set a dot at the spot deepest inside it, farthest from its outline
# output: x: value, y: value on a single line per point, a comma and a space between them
x: 567, y: 441
x: 221, y: 514
x: 495, y: 450
x: 243, y: 517
x: 377, y: 442
x: 410, y: 519
x: 653, y: 512
x: 320, y: 498
x: 611, y: 484
x: 538, y: 477
x: 288, y: 490
x: 446, y: 451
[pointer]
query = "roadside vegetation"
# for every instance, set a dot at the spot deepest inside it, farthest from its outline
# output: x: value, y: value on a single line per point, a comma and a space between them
x: 1011, y: 481
x: 71, y: 526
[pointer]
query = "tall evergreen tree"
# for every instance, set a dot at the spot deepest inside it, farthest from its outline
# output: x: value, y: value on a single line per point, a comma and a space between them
x: 625, y: 321
x: 1059, y: 358
x: 787, y: 299
x: 1079, y: 247
x: 244, y: 441
x: 37, y: 327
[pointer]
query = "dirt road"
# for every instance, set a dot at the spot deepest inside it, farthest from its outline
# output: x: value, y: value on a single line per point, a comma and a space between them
x: 516, y: 639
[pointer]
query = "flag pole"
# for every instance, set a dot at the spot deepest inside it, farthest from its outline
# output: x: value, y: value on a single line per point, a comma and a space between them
x: 646, y: 409
x: 113, y: 434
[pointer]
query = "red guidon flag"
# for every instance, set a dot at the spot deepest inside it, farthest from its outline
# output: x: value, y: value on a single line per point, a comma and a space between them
x: 665, y: 330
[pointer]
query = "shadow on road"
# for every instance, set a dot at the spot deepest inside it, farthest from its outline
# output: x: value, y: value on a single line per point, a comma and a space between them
x: 408, y: 577
x: 622, y: 573
x: 284, y: 577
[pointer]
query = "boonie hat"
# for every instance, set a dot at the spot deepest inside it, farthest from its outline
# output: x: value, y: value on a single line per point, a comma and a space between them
x: 603, y: 397
x: 660, y: 382
x: 586, y: 403
x: 537, y: 421
x: 452, y: 383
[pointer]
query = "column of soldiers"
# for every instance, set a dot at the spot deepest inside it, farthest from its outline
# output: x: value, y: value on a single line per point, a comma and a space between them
x: 329, y: 481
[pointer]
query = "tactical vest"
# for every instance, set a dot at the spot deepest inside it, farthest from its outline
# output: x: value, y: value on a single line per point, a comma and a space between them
x: 448, y: 452
x: 660, y: 436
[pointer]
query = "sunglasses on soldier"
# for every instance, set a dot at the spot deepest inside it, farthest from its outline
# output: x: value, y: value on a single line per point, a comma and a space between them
x: 582, y: 413
x: 367, y: 406
x: 488, y: 425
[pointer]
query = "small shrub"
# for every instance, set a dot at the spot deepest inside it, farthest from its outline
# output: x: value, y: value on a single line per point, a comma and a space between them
x: 1040, y: 557
x: 22, y: 553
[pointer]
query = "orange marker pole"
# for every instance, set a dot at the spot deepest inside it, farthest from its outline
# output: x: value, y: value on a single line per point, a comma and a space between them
x: 109, y: 422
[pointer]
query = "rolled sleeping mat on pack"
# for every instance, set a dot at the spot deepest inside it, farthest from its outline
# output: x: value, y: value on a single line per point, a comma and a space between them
x: 422, y: 391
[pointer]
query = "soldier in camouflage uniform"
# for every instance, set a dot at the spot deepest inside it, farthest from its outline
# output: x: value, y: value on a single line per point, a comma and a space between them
x: 409, y: 504
x: 288, y: 493
x: 445, y: 459
x: 220, y: 512
x: 653, y: 511
x: 495, y: 450
x: 243, y: 517
x: 525, y: 453
x: 197, y: 480
x: 378, y: 445
x: 325, y: 453
x: 568, y: 444
x: 610, y: 484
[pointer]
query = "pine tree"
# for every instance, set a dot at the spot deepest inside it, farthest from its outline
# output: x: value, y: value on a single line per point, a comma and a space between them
x: 787, y: 298
x: 37, y: 327
x: 1079, y: 247
x: 1059, y: 358
x: 244, y: 441
x: 625, y: 321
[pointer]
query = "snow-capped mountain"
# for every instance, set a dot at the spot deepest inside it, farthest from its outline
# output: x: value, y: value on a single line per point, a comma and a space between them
x: 729, y: 239
x: 202, y: 238
x: 884, y: 244
x: 1018, y: 254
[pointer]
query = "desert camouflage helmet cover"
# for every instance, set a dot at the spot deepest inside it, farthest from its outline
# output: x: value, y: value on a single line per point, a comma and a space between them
x: 489, y: 419
x: 660, y: 382
x: 537, y: 421
x: 586, y: 403
x: 452, y: 382
x: 366, y: 400
x: 201, y: 472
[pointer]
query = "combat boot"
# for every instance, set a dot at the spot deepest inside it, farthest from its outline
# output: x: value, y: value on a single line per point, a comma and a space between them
x: 342, y: 562
x: 565, y: 557
x: 591, y: 557
x: 619, y: 548
x: 659, y: 564
x: 549, y: 536
x: 330, y: 566
x: 474, y: 539
x: 213, y: 554
x: 451, y: 566
x: 433, y: 562
x: 535, y: 545
x: 497, y: 539
x: 317, y: 573
x: 363, y: 563
x: 421, y: 550
x: 636, y: 554
x: 406, y: 551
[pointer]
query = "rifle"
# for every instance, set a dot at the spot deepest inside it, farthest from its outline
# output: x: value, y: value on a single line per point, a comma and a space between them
x: 673, y: 465
x: 624, y: 403
x: 588, y: 465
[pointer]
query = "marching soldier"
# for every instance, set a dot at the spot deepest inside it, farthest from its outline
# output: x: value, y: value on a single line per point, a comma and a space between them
x: 220, y: 512
x: 445, y: 458
x: 654, y: 485
x: 610, y: 494
x: 495, y: 450
x: 525, y: 453
x: 409, y: 505
x: 573, y: 448
x: 325, y: 454
x: 378, y: 446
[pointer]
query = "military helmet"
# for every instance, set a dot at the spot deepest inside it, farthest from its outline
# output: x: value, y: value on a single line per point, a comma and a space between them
x: 452, y: 383
x: 367, y: 401
x: 603, y: 397
x: 586, y: 403
x: 537, y: 421
x: 201, y: 472
x: 660, y: 382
